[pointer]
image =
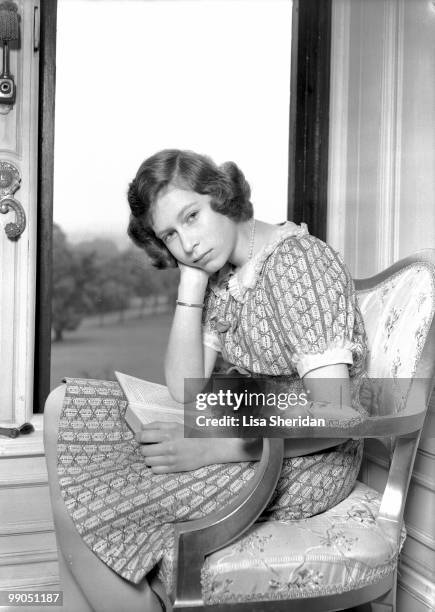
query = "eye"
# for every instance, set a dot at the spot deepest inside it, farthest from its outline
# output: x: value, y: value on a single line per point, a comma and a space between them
x: 191, y: 216
x: 168, y: 237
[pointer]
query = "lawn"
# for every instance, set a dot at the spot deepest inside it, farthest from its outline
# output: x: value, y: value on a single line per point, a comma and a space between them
x: 136, y: 346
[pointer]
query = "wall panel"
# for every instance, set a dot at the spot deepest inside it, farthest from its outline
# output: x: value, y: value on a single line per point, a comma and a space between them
x: 381, y: 200
x: 18, y: 145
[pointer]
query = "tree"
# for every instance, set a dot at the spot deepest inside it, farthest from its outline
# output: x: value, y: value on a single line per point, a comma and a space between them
x: 113, y: 288
x: 148, y: 281
x: 73, y: 285
x: 104, y: 248
x: 144, y: 285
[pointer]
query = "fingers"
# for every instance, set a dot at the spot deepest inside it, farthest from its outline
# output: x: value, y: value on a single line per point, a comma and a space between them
x: 150, y: 436
x: 157, y: 431
x: 159, y: 463
x: 160, y: 425
x: 164, y: 449
x: 162, y: 469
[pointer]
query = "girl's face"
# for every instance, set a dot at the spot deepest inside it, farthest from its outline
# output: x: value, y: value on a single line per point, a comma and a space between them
x: 192, y: 231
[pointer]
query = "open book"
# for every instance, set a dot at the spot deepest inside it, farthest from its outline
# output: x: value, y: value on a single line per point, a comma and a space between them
x: 148, y: 402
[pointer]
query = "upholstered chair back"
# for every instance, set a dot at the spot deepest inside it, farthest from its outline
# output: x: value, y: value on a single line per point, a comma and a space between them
x: 397, y: 311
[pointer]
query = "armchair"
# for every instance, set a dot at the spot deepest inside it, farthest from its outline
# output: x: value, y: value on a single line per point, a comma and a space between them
x: 348, y: 555
x: 344, y: 557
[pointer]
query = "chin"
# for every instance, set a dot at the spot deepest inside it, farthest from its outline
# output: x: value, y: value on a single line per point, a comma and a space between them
x: 220, y: 261
x: 210, y: 268
x: 214, y: 266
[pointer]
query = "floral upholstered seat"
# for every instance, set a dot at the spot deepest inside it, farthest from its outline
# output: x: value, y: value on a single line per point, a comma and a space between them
x: 343, y: 548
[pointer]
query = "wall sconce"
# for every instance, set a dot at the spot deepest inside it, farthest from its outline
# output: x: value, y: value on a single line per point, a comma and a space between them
x: 9, y: 31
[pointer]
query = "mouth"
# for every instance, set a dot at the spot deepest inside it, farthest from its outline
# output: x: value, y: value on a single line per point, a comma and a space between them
x: 202, y: 258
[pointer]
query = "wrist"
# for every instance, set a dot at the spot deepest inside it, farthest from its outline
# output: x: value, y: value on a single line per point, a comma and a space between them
x: 192, y: 292
x: 190, y: 297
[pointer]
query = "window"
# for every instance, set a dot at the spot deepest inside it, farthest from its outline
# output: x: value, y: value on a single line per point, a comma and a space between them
x: 254, y: 125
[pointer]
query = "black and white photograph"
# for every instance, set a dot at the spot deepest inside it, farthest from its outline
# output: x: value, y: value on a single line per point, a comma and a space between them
x: 217, y: 305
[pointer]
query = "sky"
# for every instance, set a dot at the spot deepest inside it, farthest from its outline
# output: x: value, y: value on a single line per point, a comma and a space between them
x: 137, y: 76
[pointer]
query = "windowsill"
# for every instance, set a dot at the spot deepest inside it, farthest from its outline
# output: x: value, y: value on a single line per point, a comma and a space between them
x: 27, y: 445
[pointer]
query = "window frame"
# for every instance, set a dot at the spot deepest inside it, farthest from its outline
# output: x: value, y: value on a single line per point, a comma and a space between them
x: 308, y: 151
x: 47, y: 89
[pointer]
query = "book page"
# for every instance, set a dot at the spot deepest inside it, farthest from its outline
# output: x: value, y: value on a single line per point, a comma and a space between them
x: 148, y: 394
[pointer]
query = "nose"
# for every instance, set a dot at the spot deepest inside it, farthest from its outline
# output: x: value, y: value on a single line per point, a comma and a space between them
x: 188, y: 242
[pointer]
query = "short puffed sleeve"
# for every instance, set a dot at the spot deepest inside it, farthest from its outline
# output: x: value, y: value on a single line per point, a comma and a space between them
x: 210, y: 336
x: 313, y: 294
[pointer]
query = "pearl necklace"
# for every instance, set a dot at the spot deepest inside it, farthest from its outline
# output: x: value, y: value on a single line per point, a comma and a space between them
x: 251, y: 250
x: 251, y: 242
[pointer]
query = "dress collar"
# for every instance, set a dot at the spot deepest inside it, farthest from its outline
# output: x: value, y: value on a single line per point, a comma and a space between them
x: 238, y: 282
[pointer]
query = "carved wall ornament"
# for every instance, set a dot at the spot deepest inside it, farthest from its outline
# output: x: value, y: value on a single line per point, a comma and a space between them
x: 9, y: 183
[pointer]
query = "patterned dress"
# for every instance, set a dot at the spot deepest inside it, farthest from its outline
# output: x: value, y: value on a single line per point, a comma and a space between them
x: 290, y: 309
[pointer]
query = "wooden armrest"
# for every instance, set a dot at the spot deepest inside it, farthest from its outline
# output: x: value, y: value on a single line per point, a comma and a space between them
x: 346, y: 422
x: 390, y: 515
x: 198, y: 538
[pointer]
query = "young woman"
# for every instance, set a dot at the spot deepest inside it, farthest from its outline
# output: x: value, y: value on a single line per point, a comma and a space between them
x: 273, y: 301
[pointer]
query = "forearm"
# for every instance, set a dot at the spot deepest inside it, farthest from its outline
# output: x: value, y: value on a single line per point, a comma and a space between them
x: 185, y: 352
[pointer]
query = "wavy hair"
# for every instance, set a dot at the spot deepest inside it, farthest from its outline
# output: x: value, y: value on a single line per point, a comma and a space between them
x: 230, y: 194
